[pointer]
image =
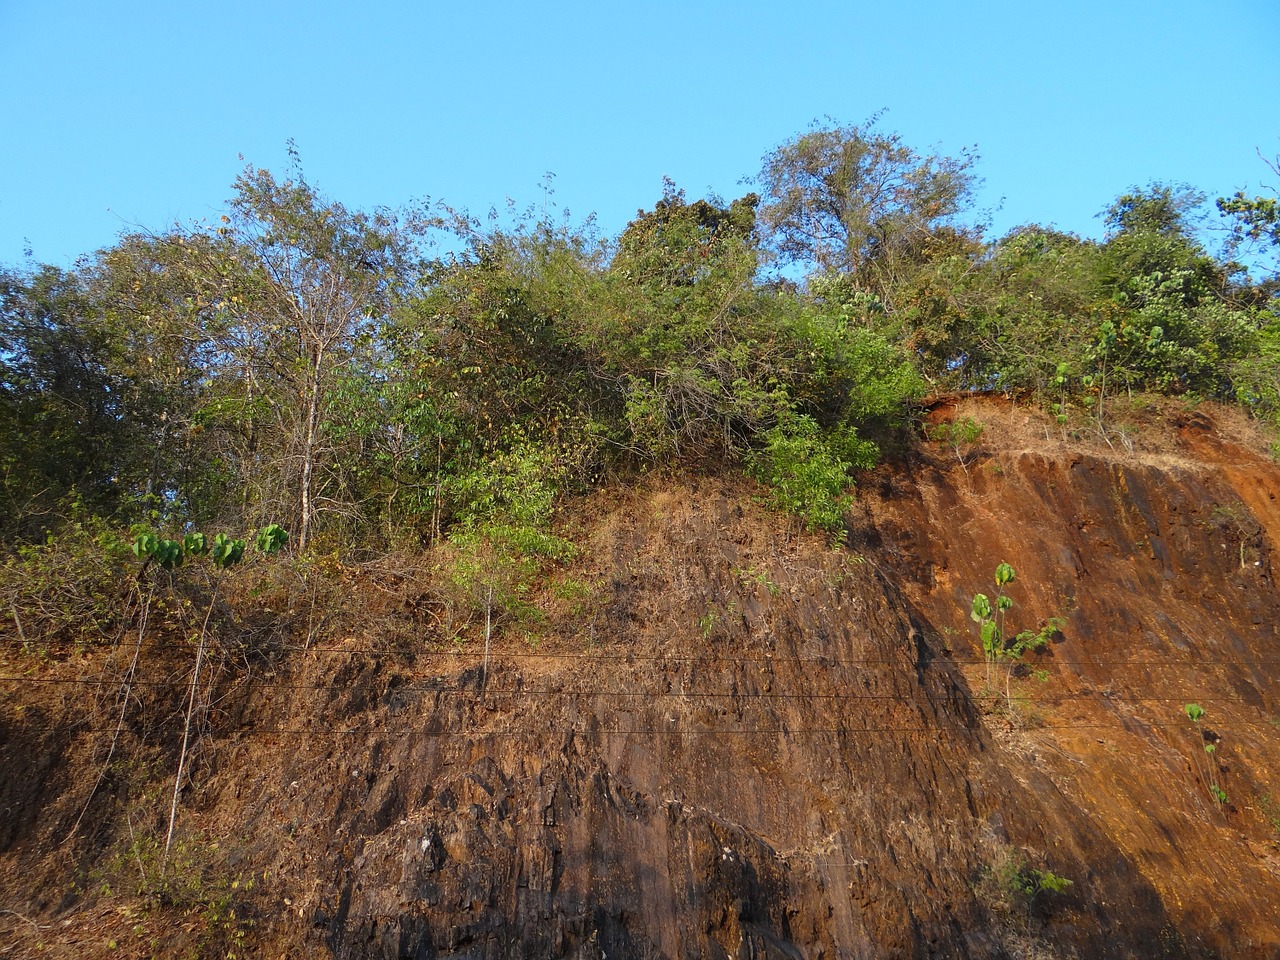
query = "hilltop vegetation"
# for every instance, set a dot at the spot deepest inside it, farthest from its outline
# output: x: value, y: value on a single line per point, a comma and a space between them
x: 330, y: 370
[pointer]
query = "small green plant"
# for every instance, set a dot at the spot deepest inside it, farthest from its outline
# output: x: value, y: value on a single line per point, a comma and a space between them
x: 271, y: 539
x: 167, y: 554
x: 758, y: 576
x: 191, y: 879
x: 226, y: 551
x: 1208, y: 742
x: 1061, y: 382
x: 960, y: 435
x: 999, y: 649
x: 707, y: 623
x: 1011, y: 886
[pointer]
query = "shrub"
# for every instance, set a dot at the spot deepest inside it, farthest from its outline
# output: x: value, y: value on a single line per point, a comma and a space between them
x: 807, y: 472
x: 73, y: 586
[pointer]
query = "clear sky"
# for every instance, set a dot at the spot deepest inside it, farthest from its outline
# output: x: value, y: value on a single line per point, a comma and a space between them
x: 128, y: 113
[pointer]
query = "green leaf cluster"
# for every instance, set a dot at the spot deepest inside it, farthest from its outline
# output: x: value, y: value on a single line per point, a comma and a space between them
x: 222, y: 550
x: 1000, y: 648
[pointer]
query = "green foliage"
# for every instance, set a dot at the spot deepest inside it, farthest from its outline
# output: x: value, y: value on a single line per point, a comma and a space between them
x: 1076, y: 323
x: 271, y: 538
x: 145, y: 545
x: 299, y: 359
x: 1255, y: 373
x: 1257, y: 218
x: 707, y: 623
x: 226, y: 551
x: 999, y: 648
x: 960, y: 435
x: 679, y: 244
x: 759, y: 577
x: 1011, y: 886
x: 1254, y: 221
x: 1029, y: 882
x: 194, y: 880
x: 1205, y: 761
x: 68, y: 587
x: 168, y: 553
x: 807, y: 473
x: 851, y: 199
x: 67, y: 420
x: 957, y: 434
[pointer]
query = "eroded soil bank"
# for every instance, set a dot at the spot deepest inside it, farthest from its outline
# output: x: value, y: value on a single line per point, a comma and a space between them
x: 736, y: 741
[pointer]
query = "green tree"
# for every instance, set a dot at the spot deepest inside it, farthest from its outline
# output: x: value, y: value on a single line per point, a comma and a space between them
x: 1024, y: 309
x: 1255, y: 238
x: 1174, y: 328
x: 850, y: 199
x: 80, y: 408
x: 295, y: 281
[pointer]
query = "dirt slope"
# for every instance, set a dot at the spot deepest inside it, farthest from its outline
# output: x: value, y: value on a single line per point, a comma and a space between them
x: 742, y: 742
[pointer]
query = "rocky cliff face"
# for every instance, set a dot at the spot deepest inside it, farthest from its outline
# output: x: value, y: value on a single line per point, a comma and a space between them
x: 746, y: 742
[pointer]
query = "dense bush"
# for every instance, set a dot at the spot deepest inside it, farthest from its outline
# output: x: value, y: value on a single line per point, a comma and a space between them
x: 302, y: 363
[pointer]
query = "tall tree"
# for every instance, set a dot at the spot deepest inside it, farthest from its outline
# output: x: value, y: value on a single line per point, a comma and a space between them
x: 850, y: 199
x: 295, y: 281
x: 62, y: 426
x: 1255, y: 222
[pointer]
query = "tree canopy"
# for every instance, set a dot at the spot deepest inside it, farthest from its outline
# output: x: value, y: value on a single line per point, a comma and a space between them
x: 300, y: 362
x: 851, y: 199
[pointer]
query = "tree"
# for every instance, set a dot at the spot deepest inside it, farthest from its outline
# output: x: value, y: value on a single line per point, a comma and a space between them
x: 678, y: 243
x: 853, y: 200
x: 70, y: 416
x: 1256, y: 220
x: 1174, y: 327
x: 294, y: 282
x: 681, y: 328
x: 167, y: 364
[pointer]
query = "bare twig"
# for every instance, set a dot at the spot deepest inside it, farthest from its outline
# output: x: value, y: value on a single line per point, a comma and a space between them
x: 21, y: 635
x: 134, y: 842
x: 124, y: 706
x: 26, y: 919
x: 186, y: 732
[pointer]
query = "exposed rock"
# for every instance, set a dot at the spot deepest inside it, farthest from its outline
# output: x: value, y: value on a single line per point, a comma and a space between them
x: 761, y: 746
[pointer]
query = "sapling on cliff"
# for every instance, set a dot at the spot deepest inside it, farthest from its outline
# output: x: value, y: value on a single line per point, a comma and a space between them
x: 1196, y: 714
x: 960, y: 435
x: 998, y: 648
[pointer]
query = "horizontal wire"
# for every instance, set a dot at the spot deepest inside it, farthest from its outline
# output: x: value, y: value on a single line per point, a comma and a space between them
x: 713, y: 658
x: 638, y: 731
x: 690, y: 694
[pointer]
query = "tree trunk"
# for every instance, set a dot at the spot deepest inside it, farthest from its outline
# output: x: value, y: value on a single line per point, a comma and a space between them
x: 309, y: 449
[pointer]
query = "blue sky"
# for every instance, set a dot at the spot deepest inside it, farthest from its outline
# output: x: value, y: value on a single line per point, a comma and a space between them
x: 121, y: 114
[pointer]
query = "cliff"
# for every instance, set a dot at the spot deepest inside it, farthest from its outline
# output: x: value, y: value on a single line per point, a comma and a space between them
x: 727, y: 739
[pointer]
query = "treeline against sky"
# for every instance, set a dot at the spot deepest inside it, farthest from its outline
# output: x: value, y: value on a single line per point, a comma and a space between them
x: 333, y: 371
